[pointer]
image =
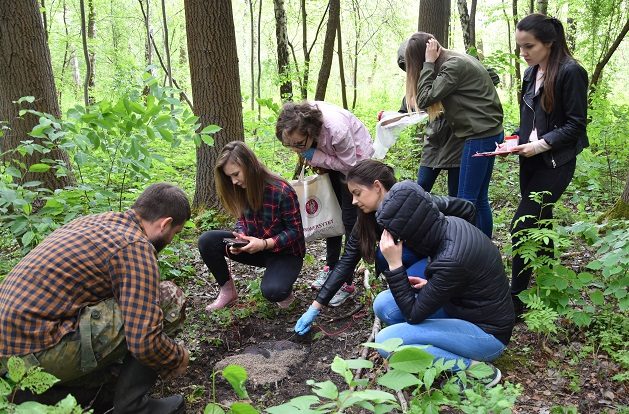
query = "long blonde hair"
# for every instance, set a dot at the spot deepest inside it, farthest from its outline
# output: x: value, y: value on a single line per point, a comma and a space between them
x: 414, y: 57
x: 236, y: 199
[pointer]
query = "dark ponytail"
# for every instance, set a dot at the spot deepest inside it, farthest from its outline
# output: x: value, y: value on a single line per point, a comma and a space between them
x: 365, y: 173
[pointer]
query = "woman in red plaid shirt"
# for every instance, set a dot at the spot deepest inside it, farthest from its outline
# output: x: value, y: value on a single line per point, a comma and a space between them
x: 268, y: 221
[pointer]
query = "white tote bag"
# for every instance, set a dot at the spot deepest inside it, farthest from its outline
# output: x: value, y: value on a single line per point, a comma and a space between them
x: 320, y: 210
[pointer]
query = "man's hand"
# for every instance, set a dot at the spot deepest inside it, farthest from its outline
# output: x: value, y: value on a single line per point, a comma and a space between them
x: 392, y: 252
x: 433, y: 50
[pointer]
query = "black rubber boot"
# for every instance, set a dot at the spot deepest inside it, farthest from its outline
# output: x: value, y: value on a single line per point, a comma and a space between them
x: 132, y: 388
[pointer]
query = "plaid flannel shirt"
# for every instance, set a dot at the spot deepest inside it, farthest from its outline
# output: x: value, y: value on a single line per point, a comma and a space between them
x: 82, y: 263
x: 278, y: 219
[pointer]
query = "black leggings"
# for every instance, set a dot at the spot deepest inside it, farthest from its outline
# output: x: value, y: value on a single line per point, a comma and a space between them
x: 535, y: 176
x: 348, y: 213
x: 281, y: 271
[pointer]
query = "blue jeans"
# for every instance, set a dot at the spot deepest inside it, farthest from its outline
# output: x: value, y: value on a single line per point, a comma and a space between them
x: 414, y: 265
x: 426, y: 177
x: 445, y: 337
x: 474, y: 178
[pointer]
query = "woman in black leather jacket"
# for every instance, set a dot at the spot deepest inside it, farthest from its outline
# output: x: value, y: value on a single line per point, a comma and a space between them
x: 553, y: 111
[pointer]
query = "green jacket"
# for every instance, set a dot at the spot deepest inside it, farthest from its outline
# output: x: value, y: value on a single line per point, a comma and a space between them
x: 462, y: 84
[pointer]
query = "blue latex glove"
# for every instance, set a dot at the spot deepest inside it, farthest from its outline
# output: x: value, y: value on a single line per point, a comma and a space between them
x: 303, y: 324
x: 308, y: 154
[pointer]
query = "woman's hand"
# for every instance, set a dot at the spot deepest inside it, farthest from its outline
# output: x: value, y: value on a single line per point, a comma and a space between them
x: 433, y: 50
x: 392, y: 252
x: 255, y: 245
x: 417, y: 282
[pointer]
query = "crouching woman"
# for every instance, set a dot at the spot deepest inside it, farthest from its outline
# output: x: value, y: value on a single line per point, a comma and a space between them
x: 464, y: 310
x: 268, y: 221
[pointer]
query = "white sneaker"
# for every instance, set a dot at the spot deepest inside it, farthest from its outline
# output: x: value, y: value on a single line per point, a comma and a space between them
x: 321, y: 278
x: 341, y: 296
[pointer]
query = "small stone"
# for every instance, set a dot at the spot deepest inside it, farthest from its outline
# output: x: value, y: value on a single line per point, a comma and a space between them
x: 609, y: 395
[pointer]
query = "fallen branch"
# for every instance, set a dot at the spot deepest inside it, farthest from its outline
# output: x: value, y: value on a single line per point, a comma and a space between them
x: 374, y: 331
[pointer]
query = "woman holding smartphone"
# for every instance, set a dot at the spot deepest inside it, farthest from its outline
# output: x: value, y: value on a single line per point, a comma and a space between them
x: 269, y: 226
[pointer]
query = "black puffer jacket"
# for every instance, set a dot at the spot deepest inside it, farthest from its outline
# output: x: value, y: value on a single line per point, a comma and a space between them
x: 465, y: 273
x: 345, y: 267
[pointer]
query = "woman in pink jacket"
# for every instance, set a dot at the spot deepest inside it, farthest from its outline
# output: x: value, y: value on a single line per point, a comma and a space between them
x: 333, y: 139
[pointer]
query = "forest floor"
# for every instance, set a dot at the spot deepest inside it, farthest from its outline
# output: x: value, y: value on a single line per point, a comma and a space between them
x: 558, y: 371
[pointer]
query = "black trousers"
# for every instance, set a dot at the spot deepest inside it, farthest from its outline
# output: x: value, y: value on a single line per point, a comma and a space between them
x: 348, y: 213
x: 535, y: 176
x: 281, y: 271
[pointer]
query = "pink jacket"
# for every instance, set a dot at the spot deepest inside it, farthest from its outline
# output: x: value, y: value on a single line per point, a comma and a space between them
x: 343, y: 141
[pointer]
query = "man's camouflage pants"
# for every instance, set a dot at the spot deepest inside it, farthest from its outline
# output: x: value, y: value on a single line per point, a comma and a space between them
x: 83, y: 357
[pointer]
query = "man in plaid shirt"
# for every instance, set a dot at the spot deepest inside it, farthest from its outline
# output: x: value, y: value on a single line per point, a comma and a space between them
x: 89, y: 296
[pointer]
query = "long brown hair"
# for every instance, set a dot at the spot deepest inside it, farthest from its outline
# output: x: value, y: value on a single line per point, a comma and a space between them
x: 302, y: 117
x: 548, y: 30
x: 415, y: 56
x: 236, y: 199
x: 365, y: 173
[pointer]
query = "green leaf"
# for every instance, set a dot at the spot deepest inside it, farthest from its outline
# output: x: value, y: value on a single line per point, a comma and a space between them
x: 32, y: 407
x: 166, y: 134
x: 27, y: 238
x: 5, y: 388
x: 374, y: 395
x: 429, y: 377
x: 39, y: 168
x: 326, y: 389
x: 398, y: 380
x: 13, y: 172
x: 29, y: 99
x: 389, y: 345
x: 242, y: 408
x: 597, y: 297
x: 209, y: 141
x: 358, y: 363
x: 38, y: 381
x: 16, y: 368
x: 210, y: 129
x: 236, y: 376
x: 481, y: 370
x: 411, y: 359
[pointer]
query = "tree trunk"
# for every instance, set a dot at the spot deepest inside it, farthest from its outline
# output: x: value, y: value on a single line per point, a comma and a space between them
x: 215, y: 81
x: 598, y: 70
x: 169, y: 70
x: 334, y: 17
x: 620, y: 210
x: 304, y: 36
x: 542, y: 6
x: 27, y: 71
x: 86, y: 55
x: 465, y: 25
x: 44, y: 16
x: 473, y: 23
x: 339, y: 52
x: 434, y: 18
x: 571, y: 32
x: 283, y: 66
x: 259, y: 60
x: 91, y: 35
x: 516, y: 51
x: 252, y: 71
x: 531, y: 6
x: 148, y: 48
x: 65, y: 49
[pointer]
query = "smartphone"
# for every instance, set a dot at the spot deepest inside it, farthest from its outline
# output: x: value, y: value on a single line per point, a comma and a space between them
x: 232, y: 242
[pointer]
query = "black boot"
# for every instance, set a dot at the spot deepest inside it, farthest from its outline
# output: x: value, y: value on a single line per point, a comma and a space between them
x: 518, y: 308
x: 132, y: 388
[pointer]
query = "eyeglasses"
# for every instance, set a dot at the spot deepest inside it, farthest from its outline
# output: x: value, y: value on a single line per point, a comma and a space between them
x: 298, y: 145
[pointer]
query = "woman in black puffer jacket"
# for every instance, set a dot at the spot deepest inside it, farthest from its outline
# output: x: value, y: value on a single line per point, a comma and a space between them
x: 464, y: 310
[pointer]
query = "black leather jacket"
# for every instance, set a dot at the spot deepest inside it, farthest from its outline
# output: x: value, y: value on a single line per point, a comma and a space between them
x: 465, y: 274
x: 564, y: 128
x: 346, y: 265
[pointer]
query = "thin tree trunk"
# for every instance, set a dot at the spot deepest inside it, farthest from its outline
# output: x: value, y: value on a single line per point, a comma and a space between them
x: 571, y: 32
x: 598, y: 70
x: 357, y: 27
x: 434, y: 18
x: 91, y: 35
x: 27, y: 71
x: 283, y: 66
x: 516, y: 51
x: 65, y: 49
x: 531, y: 6
x: 86, y: 55
x: 510, y: 34
x: 542, y: 6
x: 76, y: 71
x: 339, y: 52
x: 252, y: 57
x: 169, y: 72
x: 148, y: 48
x: 258, y: 92
x: 304, y: 39
x: 473, y: 22
x: 328, y: 49
x: 465, y: 25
